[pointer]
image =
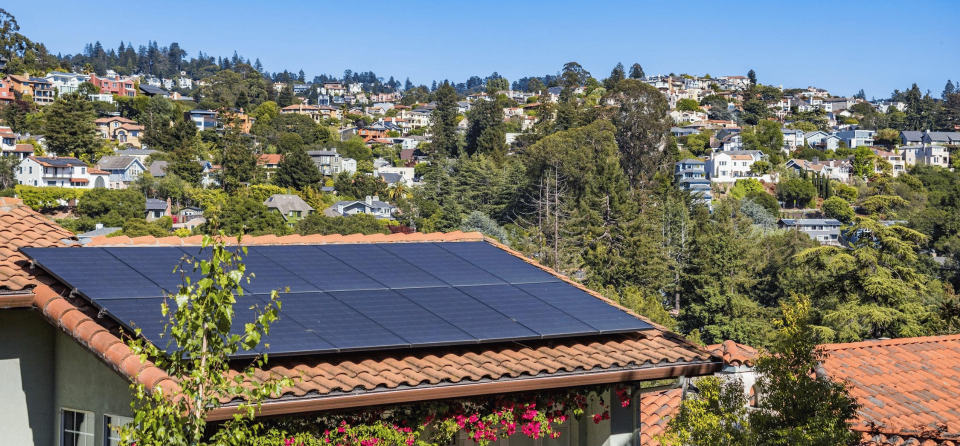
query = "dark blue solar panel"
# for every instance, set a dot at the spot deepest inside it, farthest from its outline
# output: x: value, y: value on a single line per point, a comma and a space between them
x: 94, y: 272
x: 159, y: 265
x: 286, y: 334
x: 510, y: 269
x: 318, y: 268
x: 468, y: 314
x: 336, y: 322
x: 533, y: 313
x: 268, y: 275
x: 144, y: 314
x: 441, y: 264
x: 402, y: 317
x: 382, y: 266
x: 592, y: 311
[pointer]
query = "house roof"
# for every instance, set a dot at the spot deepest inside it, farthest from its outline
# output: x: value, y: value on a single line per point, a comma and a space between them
x: 58, y: 162
x: 734, y: 353
x: 380, y: 377
x: 270, y: 158
x: 909, y: 388
x: 810, y: 221
x: 117, y: 162
x: 24, y: 148
x: 656, y: 409
x: 21, y: 226
x: 154, y: 204
x: 286, y: 203
x: 110, y: 119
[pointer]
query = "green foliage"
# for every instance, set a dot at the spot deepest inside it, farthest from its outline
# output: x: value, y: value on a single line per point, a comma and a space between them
x: 744, y: 186
x: 112, y: 207
x: 688, y: 105
x: 838, y: 208
x: 479, y: 222
x: 297, y: 171
x: 443, y: 122
x: 641, y: 122
x: 874, y: 289
x: 863, y: 162
x: 354, y: 224
x: 138, y: 227
x: 243, y: 215
x: 487, y: 132
x: 793, y: 406
x: 359, y: 186
x: 197, y: 354
x: 70, y: 128
x: 647, y: 305
x: 795, y: 192
x: 8, y: 169
x: 765, y: 137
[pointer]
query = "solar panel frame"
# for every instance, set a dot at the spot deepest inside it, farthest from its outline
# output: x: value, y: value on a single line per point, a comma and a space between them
x: 96, y: 274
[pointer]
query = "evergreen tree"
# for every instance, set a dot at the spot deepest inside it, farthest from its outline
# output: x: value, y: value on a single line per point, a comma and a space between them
x: 752, y: 75
x: 642, y: 125
x: 618, y: 74
x: 297, y: 170
x: 286, y: 97
x: 636, y: 72
x: 258, y: 66
x: 301, y: 76
x: 487, y: 131
x: 70, y: 127
x: 444, y: 122
x: 407, y: 86
x: 948, y: 90
x: 238, y: 162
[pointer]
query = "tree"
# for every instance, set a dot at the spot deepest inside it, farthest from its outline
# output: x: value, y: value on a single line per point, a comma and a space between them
x: 948, y: 90
x: 618, y: 74
x: 200, y: 327
x: 318, y: 223
x: 495, y: 84
x: 8, y: 169
x: 487, y: 132
x: 642, y: 125
x: 636, y: 71
x: 838, y: 208
x: 112, y: 207
x: 70, y: 128
x: 443, y: 122
x: 479, y: 222
x: 688, y: 105
x: 574, y: 75
x: 286, y: 97
x: 244, y: 215
x: 297, y: 171
x: 864, y: 161
x: 752, y: 75
x: 238, y: 162
x: 795, y: 404
x: 874, y: 289
x: 795, y: 192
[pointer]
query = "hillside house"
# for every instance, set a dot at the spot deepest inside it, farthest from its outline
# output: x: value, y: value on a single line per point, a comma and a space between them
x: 728, y: 166
x: 291, y: 207
x: 60, y: 172
x: 824, y: 230
x: 124, y: 170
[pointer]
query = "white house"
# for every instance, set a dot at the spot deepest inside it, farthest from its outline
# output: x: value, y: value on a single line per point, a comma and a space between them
x: 67, y: 82
x: 405, y: 173
x: 59, y: 172
x: 371, y: 205
x: 857, y: 138
x: 728, y: 166
x: 930, y: 155
x: 792, y: 139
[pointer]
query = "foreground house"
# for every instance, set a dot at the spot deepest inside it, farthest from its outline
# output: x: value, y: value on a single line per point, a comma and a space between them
x: 513, y: 327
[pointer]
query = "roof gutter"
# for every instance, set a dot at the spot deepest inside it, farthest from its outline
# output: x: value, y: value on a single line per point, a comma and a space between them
x: 322, y: 403
x: 19, y: 300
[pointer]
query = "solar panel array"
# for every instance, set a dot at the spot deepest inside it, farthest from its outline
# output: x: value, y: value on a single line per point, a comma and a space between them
x: 353, y: 296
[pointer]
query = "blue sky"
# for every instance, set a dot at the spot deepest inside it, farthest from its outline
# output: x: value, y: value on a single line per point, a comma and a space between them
x: 838, y: 45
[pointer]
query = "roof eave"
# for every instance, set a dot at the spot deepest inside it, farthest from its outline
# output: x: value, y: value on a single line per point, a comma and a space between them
x: 468, y: 389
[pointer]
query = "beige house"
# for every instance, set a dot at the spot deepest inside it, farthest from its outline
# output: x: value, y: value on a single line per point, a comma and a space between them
x: 121, y: 130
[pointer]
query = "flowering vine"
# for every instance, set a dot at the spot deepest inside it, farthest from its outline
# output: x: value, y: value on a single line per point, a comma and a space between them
x: 483, y: 419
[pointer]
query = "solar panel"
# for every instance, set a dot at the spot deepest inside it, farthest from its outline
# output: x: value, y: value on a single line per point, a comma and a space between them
x: 336, y: 322
x: 468, y: 314
x: 442, y: 264
x: 510, y: 269
x: 94, y: 272
x: 529, y: 311
x: 159, y: 265
x: 318, y: 268
x: 588, y: 309
x: 380, y: 265
x: 353, y: 296
x: 409, y: 321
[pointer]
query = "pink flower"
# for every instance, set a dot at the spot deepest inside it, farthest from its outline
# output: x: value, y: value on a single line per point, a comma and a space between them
x: 474, y: 418
x: 341, y: 429
x: 597, y: 418
x: 530, y: 414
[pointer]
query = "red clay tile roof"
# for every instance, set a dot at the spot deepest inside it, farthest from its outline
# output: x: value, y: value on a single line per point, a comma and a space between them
x: 656, y: 409
x: 909, y: 388
x: 269, y: 158
x: 734, y: 353
x: 21, y: 226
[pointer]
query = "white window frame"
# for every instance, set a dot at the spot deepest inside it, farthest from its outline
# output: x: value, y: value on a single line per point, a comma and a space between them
x: 110, y: 434
x: 83, y: 438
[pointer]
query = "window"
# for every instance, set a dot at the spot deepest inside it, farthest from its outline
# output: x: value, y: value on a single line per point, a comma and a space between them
x: 110, y: 424
x: 76, y: 428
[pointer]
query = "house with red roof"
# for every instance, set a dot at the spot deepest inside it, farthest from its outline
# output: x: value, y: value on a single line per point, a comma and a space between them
x: 65, y: 371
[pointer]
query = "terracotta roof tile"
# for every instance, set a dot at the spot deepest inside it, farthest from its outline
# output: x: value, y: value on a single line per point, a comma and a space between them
x: 21, y: 226
x: 909, y: 388
x: 656, y: 409
x: 734, y: 353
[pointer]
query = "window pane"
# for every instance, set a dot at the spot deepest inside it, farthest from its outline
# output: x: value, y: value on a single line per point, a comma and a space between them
x: 69, y: 439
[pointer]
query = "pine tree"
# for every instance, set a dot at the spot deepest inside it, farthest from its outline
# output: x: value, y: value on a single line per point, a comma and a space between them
x: 444, y: 122
x: 286, y: 97
x: 636, y: 72
x: 618, y: 74
x: 258, y: 66
x: 752, y: 75
x: 407, y: 85
x: 297, y: 171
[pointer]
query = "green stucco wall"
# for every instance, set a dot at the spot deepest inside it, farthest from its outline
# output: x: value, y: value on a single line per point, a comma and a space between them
x: 43, y: 370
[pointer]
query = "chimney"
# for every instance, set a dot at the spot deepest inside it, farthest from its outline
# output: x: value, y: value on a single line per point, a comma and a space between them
x: 376, y: 198
x: 98, y: 226
x: 369, y: 200
x: 816, y: 160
